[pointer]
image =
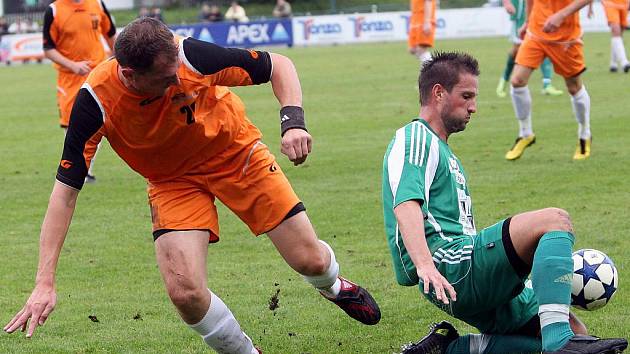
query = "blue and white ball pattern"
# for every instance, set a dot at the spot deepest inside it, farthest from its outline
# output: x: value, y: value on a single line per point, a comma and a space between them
x: 595, y: 279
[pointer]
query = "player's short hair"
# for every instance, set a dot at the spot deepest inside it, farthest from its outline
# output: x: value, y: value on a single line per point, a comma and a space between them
x: 444, y: 69
x: 142, y: 41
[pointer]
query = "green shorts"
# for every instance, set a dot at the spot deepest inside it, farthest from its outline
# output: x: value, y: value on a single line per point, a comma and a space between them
x: 489, y: 279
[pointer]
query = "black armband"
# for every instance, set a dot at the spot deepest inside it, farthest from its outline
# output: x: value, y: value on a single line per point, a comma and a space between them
x: 291, y: 117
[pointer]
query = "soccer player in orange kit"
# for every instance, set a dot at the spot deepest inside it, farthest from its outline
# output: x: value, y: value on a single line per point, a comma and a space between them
x: 163, y: 106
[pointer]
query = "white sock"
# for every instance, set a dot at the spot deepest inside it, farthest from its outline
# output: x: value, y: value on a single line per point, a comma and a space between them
x: 328, y: 283
x: 553, y: 313
x: 620, y: 50
x: 424, y: 57
x: 613, y: 57
x: 220, y: 330
x: 581, y: 103
x: 522, y: 102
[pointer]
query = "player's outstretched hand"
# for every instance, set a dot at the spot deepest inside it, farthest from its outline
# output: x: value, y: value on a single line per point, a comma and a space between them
x: 81, y: 67
x: 296, y: 144
x: 36, y: 311
x: 553, y: 23
x: 443, y: 289
x: 509, y: 8
x: 426, y: 28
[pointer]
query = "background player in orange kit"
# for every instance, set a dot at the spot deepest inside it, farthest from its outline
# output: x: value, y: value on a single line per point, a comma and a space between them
x: 617, y: 16
x: 421, y: 29
x: 72, y: 40
x: 553, y: 31
x: 164, y: 108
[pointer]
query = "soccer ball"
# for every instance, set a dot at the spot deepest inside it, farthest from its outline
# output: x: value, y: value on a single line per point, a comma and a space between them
x: 595, y: 279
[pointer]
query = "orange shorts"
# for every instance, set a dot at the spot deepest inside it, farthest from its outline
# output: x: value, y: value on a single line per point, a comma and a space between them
x: 617, y: 15
x: 68, y: 85
x: 567, y: 59
x: 417, y: 37
x: 249, y: 182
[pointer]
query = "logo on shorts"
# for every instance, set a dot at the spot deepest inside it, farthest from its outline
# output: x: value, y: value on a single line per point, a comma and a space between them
x: 272, y: 168
x: 66, y: 164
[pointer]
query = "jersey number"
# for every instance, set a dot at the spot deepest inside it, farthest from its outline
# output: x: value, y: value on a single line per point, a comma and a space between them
x: 189, y: 110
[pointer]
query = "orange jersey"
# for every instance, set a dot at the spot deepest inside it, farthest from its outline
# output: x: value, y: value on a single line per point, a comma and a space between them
x: 616, y: 4
x: 167, y: 136
x: 75, y: 30
x: 570, y: 29
x: 418, y: 6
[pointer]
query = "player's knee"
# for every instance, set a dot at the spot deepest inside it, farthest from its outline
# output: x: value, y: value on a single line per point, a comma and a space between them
x: 518, y: 81
x: 185, y: 296
x: 317, y: 266
x: 558, y: 220
x: 312, y: 264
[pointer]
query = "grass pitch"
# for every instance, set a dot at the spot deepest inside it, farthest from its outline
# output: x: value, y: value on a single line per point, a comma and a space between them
x: 355, y: 98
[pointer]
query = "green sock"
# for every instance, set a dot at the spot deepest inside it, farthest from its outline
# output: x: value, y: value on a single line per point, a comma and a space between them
x: 495, y: 344
x: 509, y: 65
x: 552, y: 274
x: 545, y: 68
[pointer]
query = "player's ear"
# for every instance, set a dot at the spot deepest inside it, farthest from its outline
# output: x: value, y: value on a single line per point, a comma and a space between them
x: 437, y: 92
x: 127, y: 73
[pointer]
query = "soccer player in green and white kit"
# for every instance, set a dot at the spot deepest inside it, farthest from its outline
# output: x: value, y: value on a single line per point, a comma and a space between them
x: 477, y: 277
x: 516, y: 10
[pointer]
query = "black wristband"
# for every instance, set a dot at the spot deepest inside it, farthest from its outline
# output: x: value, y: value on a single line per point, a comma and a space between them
x: 291, y: 117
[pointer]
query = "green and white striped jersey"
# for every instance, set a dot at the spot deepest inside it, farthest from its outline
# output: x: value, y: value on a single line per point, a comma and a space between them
x: 418, y: 165
x: 519, y: 15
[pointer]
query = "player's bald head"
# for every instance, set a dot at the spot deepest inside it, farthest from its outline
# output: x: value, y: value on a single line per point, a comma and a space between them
x: 445, y: 68
x: 141, y: 42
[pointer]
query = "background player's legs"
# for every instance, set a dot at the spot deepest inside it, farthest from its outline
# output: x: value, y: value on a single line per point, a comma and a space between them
x: 522, y: 102
x: 296, y: 241
x: 544, y: 240
x: 581, y: 103
x: 421, y: 52
x: 181, y: 257
x: 617, y: 49
x: 548, y: 89
x: 507, y: 72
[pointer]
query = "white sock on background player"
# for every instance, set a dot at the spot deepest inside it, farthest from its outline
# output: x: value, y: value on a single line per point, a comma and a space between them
x: 424, y: 57
x: 328, y: 283
x: 581, y: 103
x: 613, y: 57
x: 220, y: 330
x: 619, y: 51
x: 522, y: 102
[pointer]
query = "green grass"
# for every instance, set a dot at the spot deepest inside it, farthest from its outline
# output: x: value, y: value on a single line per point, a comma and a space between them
x: 355, y: 98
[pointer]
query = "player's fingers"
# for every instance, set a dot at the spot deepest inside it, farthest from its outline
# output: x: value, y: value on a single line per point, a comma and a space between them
x: 31, y: 326
x: 20, y: 321
x: 297, y: 146
x: 309, y: 144
x: 299, y: 161
x: 304, y: 147
x: 13, y: 320
x: 290, y: 152
x: 451, y: 292
x: 45, y: 314
x: 426, y: 285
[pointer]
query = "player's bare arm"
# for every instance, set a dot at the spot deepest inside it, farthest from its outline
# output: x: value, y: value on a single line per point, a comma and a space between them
x: 77, y: 67
x: 409, y: 217
x: 54, y: 229
x: 555, y: 21
x: 509, y: 8
x: 296, y: 141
